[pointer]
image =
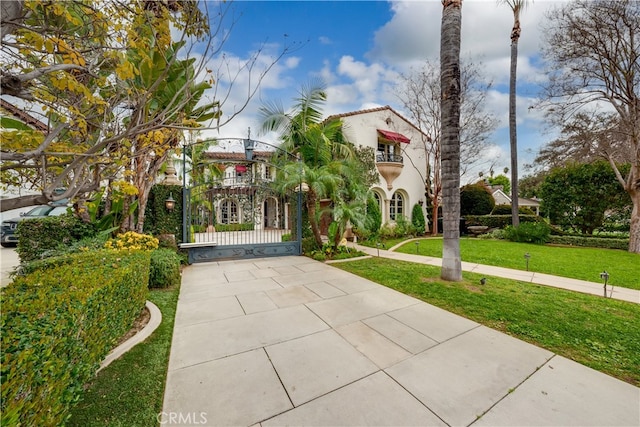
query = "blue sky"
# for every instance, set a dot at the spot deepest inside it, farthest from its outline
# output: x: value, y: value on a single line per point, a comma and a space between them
x: 359, y: 48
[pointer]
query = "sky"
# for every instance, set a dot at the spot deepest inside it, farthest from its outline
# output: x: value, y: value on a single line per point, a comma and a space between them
x: 360, y: 48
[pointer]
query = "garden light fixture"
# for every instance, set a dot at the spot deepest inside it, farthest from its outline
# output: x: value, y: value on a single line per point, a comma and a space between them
x: 170, y: 203
x: 605, y: 276
x: 526, y: 257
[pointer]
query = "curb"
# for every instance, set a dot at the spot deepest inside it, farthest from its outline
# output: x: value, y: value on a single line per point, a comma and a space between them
x: 154, y: 321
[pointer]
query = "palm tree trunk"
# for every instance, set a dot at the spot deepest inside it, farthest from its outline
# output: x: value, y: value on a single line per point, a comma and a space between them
x: 450, y: 114
x: 311, y: 209
x: 513, y: 139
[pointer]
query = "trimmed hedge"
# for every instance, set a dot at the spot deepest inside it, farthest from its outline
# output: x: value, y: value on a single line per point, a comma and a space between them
x: 38, y: 236
x: 498, y: 221
x: 249, y: 226
x: 593, y: 242
x: 59, y: 323
x: 165, y: 268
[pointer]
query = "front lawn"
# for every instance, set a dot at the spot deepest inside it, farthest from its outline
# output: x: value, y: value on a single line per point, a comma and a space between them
x: 603, y: 334
x: 578, y: 263
x: 129, y: 392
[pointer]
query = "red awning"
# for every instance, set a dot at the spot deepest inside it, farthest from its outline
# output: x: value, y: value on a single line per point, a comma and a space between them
x: 241, y: 168
x: 393, y: 136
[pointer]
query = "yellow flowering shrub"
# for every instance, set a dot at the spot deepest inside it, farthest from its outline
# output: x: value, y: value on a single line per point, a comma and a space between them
x: 132, y: 241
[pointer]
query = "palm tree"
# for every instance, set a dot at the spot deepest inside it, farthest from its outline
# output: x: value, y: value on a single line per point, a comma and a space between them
x: 319, y: 144
x: 450, y: 134
x: 516, y: 7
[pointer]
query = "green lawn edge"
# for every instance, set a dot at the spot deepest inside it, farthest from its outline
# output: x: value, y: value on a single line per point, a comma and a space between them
x: 129, y: 392
x: 572, y: 262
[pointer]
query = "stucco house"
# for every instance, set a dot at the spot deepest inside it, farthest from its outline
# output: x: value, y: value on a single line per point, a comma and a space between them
x: 400, y: 157
x: 501, y: 198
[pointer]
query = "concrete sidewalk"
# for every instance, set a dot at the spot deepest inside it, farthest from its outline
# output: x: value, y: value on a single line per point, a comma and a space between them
x: 624, y: 294
x: 292, y: 341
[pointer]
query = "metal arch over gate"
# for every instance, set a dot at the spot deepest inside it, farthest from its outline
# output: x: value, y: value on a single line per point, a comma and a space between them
x: 232, y: 209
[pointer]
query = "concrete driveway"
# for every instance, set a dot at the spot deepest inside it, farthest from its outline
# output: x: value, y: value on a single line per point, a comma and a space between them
x: 292, y: 341
x: 8, y: 261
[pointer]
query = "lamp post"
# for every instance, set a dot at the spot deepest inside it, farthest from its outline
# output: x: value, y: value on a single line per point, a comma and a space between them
x: 417, y: 247
x: 605, y: 276
x: 526, y: 257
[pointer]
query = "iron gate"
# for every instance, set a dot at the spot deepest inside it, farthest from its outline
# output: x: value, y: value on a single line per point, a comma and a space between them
x: 233, y: 209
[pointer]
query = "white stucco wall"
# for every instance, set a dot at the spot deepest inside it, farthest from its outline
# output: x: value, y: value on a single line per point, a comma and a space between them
x: 361, y: 129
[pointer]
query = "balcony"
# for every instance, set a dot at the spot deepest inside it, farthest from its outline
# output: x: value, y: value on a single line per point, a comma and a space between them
x: 389, y: 166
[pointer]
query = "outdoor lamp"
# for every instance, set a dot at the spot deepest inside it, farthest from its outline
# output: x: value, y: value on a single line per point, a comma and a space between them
x: 526, y: 257
x: 249, y: 146
x: 605, y: 276
x: 170, y: 203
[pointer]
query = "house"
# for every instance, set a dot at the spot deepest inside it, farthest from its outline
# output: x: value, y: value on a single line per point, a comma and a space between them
x: 501, y: 198
x: 400, y: 157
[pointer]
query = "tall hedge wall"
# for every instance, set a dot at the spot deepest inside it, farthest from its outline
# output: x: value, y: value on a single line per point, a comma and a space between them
x: 158, y: 220
x: 58, y: 324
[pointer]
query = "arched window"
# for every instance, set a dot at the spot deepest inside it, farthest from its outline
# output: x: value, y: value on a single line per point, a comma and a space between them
x: 229, y: 212
x: 396, y: 208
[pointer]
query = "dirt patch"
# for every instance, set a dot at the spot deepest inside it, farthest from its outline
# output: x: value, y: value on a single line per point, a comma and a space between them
x: 474, y: 289
x: 138, y: 325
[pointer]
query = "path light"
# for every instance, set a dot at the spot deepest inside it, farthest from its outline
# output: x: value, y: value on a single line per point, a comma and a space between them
x: 378, y: 245
x: 605, y: 276
x: 170, y: 203
x: 417, y: 246
x: 526, y: 257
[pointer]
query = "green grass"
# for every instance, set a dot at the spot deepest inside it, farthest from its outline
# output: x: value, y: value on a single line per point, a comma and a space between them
x: 603, y: 334
x: 129, y: 392
x: 577, y: 263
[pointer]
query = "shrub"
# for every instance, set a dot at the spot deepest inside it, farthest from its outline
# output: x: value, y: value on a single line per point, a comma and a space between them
x: 373, y: 221
x: 38, y: 236
x: 506, y: 210
x: 498, y: 234
x: 132, y: 241
x: 235, y: 227
x: 528, y: 232
x: 475, y: 199
x: 593, y: 242
x: 58, y: 324
x: 164, y: 271
x: 417, y: 219
x: 498, y: 221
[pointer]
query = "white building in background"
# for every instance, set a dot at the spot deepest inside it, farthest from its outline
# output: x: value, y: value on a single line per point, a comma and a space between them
x: 400, y: 157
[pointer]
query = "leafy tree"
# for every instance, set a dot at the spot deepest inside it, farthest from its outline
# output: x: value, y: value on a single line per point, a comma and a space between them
x: 450, y: 122
x: 501, y: 180
x: 419, y: 92
x: 374, y: 216
x: 111, y: 81
x: 475, y: 199
x: 592, y: 50
x: 577, y: 196
x: 516, y: 6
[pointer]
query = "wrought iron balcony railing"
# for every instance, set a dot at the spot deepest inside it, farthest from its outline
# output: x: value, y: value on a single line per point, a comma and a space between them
x: 388, y: 158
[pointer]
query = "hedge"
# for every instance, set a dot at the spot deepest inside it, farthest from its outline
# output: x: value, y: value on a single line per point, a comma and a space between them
x: 593, y: 242
x: 165, y: 268
x: 58, y: 324
x: 38, y: 236
x: 249, y: 226
x: 498, y: 221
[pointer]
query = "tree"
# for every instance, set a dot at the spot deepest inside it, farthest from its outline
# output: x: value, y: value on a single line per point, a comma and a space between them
x: 501, y: 180
x: 419, y: 93
x: 324, y: 154
x: 78, y: 66
x: 577, y: 196
x: 516, y: 6
x: 475, y: 199
x: 592, y: 50
x: 417, y: 218
x: 450, y: 122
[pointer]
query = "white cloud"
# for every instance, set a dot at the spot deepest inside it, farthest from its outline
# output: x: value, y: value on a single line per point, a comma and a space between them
x: 324, y: 40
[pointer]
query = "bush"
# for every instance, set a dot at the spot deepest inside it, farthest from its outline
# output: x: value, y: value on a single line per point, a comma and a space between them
x: 38, y: 236
x: 235, y: 227
x: 528, y: 232
x: 132, y: 241
x: 475, y: 199
x: 498, y: 221
x: 373, y: 221
x: 164, y: 271
x: 506, y: 210
x: 497, y: 234
x: 58, y: 324
x: 417, y: 219
x: 593, y: 242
